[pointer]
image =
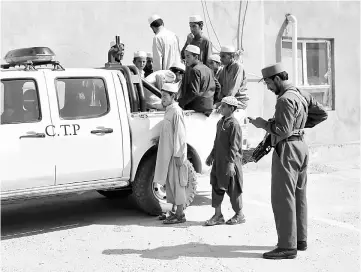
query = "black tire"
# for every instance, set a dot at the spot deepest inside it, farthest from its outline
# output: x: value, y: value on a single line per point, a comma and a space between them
x: 143, y: 188
x: 115, y: 193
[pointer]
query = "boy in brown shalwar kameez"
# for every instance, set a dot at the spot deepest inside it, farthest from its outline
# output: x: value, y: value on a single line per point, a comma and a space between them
x: 226, y: 157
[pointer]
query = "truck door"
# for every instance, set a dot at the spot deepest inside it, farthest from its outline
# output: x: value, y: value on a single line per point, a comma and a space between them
x: 27, y: 157
x: 87, y: 128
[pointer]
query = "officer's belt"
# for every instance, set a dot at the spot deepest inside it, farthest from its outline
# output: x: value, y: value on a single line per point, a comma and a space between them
x: 298, y: 132
x: 297, y: 135
x: 294, y: 138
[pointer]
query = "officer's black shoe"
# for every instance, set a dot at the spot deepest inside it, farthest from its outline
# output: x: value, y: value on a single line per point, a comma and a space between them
x: 301, y: 245
x: 280, y: 253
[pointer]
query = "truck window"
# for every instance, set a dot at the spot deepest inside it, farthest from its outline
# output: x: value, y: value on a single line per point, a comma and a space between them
x: 80, y: 98
x: 19, y: 101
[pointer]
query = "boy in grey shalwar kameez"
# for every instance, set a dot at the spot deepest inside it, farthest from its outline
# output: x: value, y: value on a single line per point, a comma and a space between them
x: 226, y: 157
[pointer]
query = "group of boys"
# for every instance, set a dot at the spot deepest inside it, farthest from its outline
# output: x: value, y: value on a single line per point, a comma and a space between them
x: 204, y: 79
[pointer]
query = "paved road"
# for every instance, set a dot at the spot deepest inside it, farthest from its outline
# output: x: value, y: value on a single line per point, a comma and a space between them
x: 90, y: 233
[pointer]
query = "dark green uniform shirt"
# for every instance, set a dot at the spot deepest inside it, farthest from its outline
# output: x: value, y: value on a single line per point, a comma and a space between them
x: 293, y: 113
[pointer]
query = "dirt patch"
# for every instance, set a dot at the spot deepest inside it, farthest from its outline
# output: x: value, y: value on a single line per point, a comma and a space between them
x: 317, y: 168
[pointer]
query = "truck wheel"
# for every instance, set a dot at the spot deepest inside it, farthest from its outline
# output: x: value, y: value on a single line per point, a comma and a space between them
x: 115, y: 193
x: 151, y: 196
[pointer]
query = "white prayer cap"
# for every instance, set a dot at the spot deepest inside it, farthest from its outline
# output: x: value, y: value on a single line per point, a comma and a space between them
x: 195, y: 19
x: 149, y: 55
x: 228, y: 49
x: 153, y: 18
x: 215, y: 58
x: 140, y: 54
x: 230, y: 100
x: 170, y: 87
x: 193, y: 49
x: 179, y: 66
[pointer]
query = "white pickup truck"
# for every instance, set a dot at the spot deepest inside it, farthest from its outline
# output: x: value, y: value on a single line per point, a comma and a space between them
x: 74, y: 130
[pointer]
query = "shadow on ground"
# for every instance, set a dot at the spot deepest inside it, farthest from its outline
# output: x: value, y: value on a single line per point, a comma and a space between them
x: 193, y: 250
x: 72, y: 211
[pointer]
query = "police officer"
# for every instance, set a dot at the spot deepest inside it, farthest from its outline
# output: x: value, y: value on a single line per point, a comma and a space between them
x: 289, y: 160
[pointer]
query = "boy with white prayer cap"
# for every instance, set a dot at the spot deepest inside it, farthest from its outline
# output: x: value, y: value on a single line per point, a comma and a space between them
x: 226, y: 158
x: 199, y: 84
x: 196, y: 27
x: 170, y: 168
x: 232, y: 77
x: 214, y: 63
x: 139, y: 60
x: 166, y: 49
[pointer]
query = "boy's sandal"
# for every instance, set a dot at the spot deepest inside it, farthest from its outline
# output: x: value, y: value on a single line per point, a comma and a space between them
x: 215, y: 220
x: 236, y: 219
x: 175, y: 219
x: 164, y: 216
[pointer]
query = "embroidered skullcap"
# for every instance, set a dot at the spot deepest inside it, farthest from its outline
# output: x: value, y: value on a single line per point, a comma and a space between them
x: 140, y: 54
x: 195, y: 19
x: 228, y: 49
x: 230, y: 100
x: 178, y: 65
x: 215, y: 58
x: 193, y: 49
x: 149, y: 55
x: 170, y: 87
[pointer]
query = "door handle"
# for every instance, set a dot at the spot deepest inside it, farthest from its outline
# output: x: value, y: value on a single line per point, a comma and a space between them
x: 33, y: 135
x: 102, y: 131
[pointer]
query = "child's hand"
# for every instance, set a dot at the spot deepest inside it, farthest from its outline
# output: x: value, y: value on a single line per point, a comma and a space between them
x: 190, y: 38
x: 230, y: 170
x: 209, y: 160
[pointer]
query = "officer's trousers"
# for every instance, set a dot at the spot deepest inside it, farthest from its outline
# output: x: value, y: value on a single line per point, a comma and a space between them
x: 288, y: 192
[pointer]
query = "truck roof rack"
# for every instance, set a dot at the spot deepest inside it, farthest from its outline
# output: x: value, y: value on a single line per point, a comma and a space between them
x: 30, y: 66
x: 30, y: 58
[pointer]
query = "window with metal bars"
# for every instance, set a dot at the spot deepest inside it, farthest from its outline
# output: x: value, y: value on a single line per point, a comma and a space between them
x: 315, y: 67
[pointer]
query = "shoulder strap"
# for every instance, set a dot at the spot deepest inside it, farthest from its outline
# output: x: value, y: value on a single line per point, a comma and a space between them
x: 305, y: 104
x: 299, y: 95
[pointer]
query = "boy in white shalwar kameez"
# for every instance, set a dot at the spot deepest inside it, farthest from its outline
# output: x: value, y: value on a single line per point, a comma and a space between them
x: 170, y: 169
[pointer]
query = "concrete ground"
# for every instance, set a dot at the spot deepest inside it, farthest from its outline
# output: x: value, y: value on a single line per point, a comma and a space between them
x: 90, y: 233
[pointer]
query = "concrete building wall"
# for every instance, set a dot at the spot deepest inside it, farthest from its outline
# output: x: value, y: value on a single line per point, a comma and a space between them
x: 338, y: 20
x: 80, y: 33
